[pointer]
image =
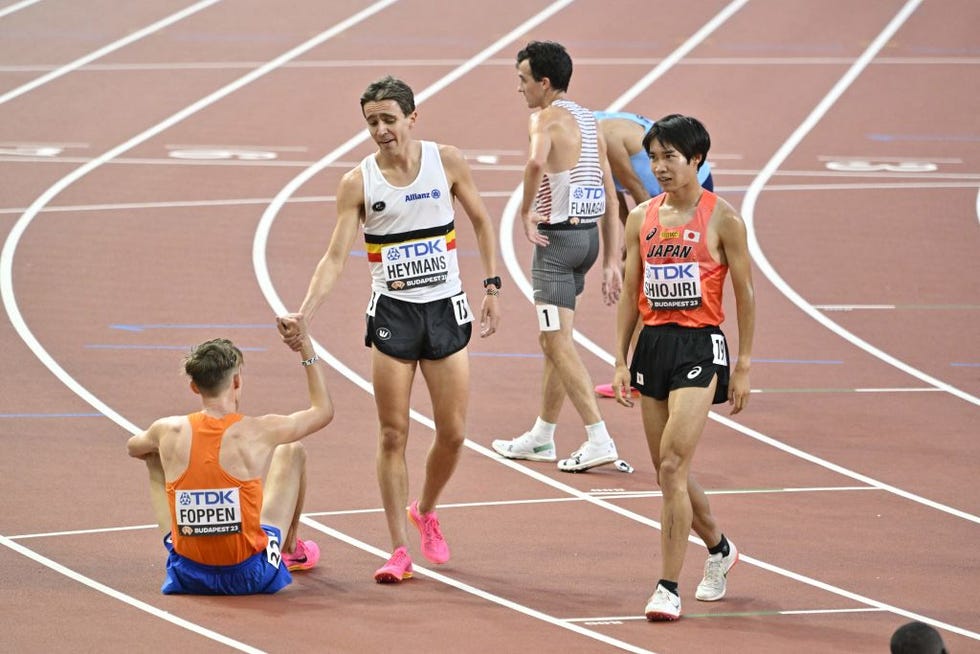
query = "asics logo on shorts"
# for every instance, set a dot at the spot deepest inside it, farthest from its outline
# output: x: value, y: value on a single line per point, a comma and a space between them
x: 695, y: 371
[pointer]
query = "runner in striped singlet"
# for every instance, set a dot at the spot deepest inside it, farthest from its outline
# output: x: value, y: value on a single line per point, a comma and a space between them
x: 568, y: 191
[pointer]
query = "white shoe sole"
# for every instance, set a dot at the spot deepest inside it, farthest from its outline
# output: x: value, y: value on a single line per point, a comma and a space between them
x: 502, y: 451
x: 587, y: 465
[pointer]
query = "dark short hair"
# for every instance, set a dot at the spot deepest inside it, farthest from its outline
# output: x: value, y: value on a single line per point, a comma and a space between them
x: 211, y: 364
x: 684, y: 133
x: 917, y: 638
x: 390, y: 88
x: 548, y: 59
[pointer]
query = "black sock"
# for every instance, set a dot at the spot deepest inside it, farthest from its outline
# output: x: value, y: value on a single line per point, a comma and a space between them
x: 669, y: 585
x: 721, y: 548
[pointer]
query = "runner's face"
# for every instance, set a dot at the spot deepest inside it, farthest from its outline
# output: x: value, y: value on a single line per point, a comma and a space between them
x: 670, y: 167
x: 532, y: 90
x: 387, y: 124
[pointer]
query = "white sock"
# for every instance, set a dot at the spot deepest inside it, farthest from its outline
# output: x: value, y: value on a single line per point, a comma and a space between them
x: 542, y: 431
x: 598, y: 433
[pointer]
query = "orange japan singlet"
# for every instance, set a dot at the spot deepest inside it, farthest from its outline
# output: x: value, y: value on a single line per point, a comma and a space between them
x: 682, y: 284
x: 214, y: 517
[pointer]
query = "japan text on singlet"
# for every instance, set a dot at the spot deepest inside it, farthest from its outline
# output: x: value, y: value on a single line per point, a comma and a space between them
x: 682, y: 283
x: 214, y: 516
x: 409, y: 232
x: 577, y: 193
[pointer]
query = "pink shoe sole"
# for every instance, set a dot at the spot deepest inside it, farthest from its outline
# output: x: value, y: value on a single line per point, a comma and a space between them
x: 606, y: 390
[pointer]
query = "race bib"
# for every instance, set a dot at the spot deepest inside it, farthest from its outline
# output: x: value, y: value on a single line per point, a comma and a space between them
x: 548, y: 317
x: 273, y: 552
x: 416, y: 263
x: 672, y: 285
x: 208, y: 512
x: 461, y: 309
x: 720, y: 350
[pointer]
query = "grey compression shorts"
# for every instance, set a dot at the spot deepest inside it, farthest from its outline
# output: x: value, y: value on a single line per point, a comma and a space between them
x: 558, y: 269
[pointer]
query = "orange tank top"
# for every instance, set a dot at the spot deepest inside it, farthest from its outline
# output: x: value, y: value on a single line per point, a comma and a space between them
x: 214, y: 517
x: 681, y: 283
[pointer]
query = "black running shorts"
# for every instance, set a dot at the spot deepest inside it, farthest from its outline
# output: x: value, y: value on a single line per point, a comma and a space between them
x: 668, y: 357
x: 414, y: 331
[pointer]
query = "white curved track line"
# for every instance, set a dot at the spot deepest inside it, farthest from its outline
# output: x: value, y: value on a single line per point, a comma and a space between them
x: 755, y: 189
x: 101, y: 52
x: 6, y: 11
x: 126, y: 599
x: 13, y: 238
x: 978, y: 205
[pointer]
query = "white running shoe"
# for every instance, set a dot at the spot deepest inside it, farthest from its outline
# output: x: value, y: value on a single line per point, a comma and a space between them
x: 712, y: 587
x: 589, y: 455
x: 525, y: 446
x: 663, y: 606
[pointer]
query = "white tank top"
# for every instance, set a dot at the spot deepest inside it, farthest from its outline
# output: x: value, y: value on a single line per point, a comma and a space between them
x: 410, y: 233
x: 577, y: 193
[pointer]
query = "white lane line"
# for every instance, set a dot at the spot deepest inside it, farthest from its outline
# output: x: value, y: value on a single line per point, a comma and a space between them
x: 17, y: 6
x: 759, y: 183
x: 978, y: 205
x: 607, y: 493
x: 610, y: 620
x: 645, y: 62
x: 127, y: 599
x: 419, y: 570
x: 101, y: 52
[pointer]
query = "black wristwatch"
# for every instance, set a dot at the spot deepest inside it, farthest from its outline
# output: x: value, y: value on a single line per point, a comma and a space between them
x: 492, y: 280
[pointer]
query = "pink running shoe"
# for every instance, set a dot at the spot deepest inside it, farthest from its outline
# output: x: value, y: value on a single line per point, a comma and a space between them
x: 398, y: 567
x: 434, y: 546
x: 304, y: 557
x: 606, y: 390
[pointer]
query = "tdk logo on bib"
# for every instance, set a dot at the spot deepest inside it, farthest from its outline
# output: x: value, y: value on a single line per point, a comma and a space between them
x: 417, y: 249
x: 586, y: 201
x: 208, y: 512
x: 680, y: 271
x: 433, y: 194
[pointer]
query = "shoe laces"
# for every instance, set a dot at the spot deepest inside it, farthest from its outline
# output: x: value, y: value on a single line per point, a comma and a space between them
x: 714, y: 571
x: 431, y: 526
x: 666, y: 596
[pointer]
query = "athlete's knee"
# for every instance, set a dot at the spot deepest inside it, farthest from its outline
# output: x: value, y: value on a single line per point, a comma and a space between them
x: 553, y: 343
x: 451, y: 439
x: 672, y: 473
x: 391, y: 440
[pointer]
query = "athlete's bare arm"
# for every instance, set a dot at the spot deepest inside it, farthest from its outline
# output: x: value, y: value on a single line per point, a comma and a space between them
x: 734, y: 245
x: 464, y: 189
x: 350, y: 214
